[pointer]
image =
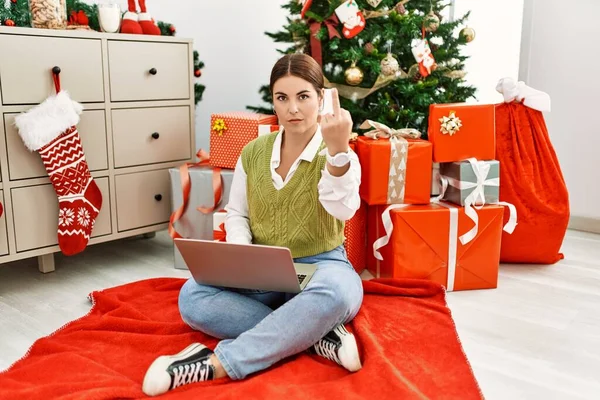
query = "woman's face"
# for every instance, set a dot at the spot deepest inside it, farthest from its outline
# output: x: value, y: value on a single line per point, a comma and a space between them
x: 296, y: 103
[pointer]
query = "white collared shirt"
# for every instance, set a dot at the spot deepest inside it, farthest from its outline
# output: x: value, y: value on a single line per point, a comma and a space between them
x: 338, y: 195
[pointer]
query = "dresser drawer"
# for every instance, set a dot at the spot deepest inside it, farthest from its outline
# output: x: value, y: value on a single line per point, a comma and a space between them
x: 26, y: 64
x: 143, y: 199
x: 23, y: 164
x: 3, y: 230
x: 151, y: 135
x: 35, y: 211
x: 148, y: 71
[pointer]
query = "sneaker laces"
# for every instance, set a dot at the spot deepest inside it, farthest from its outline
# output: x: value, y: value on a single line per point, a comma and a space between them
x: 327, y: 349
x: 193, y: 372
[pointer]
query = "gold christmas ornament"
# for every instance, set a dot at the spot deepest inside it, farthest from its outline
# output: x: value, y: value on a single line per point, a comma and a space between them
x: 468, y: 33
x: 432, y: 22
x: 354, y: 75
x: 450, y: 124
x: 389, y: 65
x: 391, y: 114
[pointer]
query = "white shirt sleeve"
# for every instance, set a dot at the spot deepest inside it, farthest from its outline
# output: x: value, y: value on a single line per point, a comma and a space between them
x: 339, y: 195
x: 237, y: 224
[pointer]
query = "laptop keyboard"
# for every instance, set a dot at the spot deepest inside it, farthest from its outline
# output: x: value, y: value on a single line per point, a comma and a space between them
x: 301, y: 278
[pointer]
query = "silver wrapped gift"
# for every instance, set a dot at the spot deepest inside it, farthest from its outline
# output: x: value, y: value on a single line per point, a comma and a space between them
x: 193, y: 223
x: 471, y: 179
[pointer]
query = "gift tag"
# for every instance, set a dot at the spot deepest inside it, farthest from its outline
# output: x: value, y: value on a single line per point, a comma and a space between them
x: 353, y: 19
x: 422, y: 53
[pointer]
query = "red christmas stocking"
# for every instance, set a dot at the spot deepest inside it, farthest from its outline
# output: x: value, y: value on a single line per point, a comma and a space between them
x: 130, y: 22
x: 50, y: 129
x: 146, y: 22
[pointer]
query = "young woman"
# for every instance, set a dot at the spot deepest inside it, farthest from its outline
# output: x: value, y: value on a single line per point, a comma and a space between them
x: 294, y: 188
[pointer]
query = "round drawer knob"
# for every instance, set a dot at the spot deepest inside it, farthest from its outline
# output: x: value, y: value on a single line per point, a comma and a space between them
x: 56, y: 70
x: 155, y: 135
x: 153, y: 71
x: 158, y: 197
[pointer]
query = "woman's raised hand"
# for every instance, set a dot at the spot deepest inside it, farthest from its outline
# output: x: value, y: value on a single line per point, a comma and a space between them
x: 336, y: 128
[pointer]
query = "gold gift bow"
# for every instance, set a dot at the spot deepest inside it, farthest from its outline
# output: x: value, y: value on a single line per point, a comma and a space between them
x: 383, y: 131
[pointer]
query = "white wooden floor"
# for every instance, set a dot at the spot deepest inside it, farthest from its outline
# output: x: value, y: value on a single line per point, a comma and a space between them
x: 535, y: 337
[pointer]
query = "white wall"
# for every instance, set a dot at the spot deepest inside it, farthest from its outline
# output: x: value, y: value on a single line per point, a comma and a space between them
x: 495, y: 51
x: 554, y: 38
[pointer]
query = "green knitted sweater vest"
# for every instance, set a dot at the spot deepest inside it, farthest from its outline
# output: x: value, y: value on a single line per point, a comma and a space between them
x: 292, y: 217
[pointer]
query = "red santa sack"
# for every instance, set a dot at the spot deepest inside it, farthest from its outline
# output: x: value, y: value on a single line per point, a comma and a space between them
x: 530, y: 177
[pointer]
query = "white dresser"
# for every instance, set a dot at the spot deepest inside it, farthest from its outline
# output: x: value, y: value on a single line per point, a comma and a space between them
x: 138, y: 121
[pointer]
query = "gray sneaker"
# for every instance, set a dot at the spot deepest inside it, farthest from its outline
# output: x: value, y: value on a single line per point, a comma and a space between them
x: 190, y: 365
x: 339, y: 346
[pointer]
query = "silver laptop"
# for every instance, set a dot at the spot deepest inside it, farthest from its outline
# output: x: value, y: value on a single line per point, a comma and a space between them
x: 244, y: 266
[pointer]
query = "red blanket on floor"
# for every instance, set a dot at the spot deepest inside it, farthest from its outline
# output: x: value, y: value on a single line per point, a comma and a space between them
x: 407, y: 338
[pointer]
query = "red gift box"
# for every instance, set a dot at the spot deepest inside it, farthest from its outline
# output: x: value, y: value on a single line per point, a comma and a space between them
x: 231, y: 131
x: 461, y: 130
x: 425, y: 244
x: 387, y: 179
x: 356, y: 238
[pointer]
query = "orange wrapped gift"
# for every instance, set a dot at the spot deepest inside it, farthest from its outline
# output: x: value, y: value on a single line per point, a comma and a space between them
x: 230, y: 132
x: 356, y: 238
x: 396, y: 167
x: 423, y: 242
x: 461, y: 130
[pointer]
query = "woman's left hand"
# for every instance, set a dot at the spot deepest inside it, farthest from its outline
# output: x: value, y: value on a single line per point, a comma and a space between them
x: 336, y: 128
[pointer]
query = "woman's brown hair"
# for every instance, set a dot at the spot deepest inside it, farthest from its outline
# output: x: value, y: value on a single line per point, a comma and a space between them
x: 299, y: 65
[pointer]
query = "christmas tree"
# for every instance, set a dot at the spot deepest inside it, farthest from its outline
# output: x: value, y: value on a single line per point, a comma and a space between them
x: 389, y: 59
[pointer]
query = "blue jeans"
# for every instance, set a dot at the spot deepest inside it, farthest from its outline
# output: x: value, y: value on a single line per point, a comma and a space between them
x: 260, y: 328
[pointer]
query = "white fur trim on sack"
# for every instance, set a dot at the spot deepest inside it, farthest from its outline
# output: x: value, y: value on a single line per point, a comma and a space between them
x: 519, y: 91
x: 44, y: 122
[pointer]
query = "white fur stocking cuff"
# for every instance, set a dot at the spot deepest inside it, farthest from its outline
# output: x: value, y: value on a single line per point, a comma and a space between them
x: 44, y: 122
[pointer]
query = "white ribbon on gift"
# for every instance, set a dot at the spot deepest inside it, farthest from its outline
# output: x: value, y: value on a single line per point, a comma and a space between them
x: 383, y: 131
x: 452, y: 245
x: 388, y: 226
x: 520, y: 92
x: 476, y: 199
